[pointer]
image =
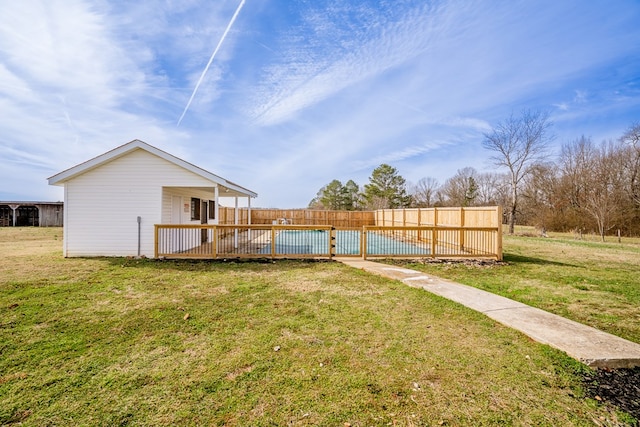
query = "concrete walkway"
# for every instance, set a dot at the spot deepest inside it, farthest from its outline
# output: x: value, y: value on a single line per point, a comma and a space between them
x: 589, y: 345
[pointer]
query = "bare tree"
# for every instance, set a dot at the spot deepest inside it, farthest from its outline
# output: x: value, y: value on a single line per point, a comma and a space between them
x: 490, y: 188
x: 462, y: 188
x: 632, y: 135
x: 604, y: 190
x: 424, y: 192
x: 519, y: 142
x: 593, y: 183
x: 632, y: 162
x: 576, y: 163
x: 539, y: 196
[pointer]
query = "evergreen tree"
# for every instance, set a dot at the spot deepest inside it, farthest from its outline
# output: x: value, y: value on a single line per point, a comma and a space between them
x: 386, y: 189
x: 352, y: 196
x: 333, y: 195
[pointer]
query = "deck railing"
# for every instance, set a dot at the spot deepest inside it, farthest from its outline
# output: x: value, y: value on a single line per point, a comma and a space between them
x: 295, y: 241
x: 432, y: 242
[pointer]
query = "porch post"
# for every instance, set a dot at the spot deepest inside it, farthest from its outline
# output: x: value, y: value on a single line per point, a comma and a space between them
x: 249, y: 218
x: 217, y: 204
x: 235, y: 220
x: 14, y: 208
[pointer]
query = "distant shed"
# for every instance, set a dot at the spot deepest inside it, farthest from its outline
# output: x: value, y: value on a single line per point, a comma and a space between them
x: 31, y: 214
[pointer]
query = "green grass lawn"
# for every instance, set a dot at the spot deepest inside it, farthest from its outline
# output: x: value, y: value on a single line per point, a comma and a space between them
x: 591, y: 282
x: 115, y: 342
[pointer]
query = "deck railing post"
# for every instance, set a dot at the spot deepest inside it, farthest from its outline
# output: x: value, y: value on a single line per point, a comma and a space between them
x: 434, y: 237
x: 214, y: 244
x: 155, y: 241
x: 273, y: 241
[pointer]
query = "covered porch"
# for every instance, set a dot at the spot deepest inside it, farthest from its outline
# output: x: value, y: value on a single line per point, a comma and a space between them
x: 201, y: 206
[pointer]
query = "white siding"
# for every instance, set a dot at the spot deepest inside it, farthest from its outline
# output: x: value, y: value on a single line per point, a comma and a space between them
x: 102, y: 204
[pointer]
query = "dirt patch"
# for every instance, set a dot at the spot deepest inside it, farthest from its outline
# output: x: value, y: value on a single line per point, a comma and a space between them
x: 620, y: 387
x: 231, y: 376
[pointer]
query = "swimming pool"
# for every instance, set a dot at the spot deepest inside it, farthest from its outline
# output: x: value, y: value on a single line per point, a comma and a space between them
x: 348, y: 242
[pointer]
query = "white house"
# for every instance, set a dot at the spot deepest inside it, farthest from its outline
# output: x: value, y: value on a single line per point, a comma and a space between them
x: 112, y: 201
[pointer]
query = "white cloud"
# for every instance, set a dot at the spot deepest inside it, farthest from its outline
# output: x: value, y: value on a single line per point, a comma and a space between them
x: 581, y: 97
x: 64, y: 46
x: 328, y: 62
x: 399, y: 155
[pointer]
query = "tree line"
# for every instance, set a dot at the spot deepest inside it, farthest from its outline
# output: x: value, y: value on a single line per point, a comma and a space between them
x: 587, y: 187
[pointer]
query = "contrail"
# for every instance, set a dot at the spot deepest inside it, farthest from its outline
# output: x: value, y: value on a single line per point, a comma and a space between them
x: 224, y: 35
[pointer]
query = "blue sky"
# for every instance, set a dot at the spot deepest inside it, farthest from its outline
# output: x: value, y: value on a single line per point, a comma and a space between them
x: 303, y: 92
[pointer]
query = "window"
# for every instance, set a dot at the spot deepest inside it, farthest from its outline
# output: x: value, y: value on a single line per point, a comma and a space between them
x: 195, y: 208
x: 212, y: 209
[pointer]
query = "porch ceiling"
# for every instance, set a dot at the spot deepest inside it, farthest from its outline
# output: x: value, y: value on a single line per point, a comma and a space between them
x: 222, y: 190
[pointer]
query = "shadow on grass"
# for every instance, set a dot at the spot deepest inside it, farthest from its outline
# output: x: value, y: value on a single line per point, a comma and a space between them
x: 247, y: 264
x: 520, y: 259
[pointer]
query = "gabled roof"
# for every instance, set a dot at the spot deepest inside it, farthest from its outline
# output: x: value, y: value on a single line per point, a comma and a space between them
x: 136, y: 144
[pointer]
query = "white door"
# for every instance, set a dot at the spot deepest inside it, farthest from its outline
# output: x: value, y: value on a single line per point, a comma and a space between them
x: 175, y: 237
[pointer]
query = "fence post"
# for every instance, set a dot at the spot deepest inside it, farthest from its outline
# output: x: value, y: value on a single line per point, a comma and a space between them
x: 363, y: 243
x: 332, y: 242
x: 461, y: 229
x: 434, y: 240
x: 404, y: 222
x: 434, y: 234
x: 499, y: 233
x: 273, y: 241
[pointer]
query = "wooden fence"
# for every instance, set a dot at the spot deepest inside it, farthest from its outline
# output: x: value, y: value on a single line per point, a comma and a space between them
x: 486, y: 216
x: 417, y: 217
x: 465, y: 220
x: 298, y: 217
x: 469, y: 223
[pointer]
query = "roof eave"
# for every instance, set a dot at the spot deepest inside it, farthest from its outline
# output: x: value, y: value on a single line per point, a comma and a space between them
x: 62, y: 177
